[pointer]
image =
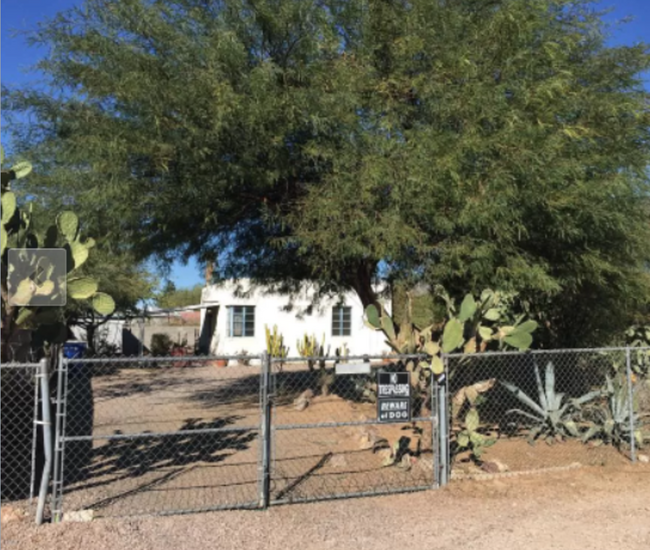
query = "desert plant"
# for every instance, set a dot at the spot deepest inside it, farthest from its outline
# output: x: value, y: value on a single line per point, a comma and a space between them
x: 20, y: 232
x: 342, y: 353
x: 609, y: 421
x: 552, y: 416
x: 275, y: 344
x: 470, y: 328
x: 469, y: 437
x: 308, y: 347
x: 161, y: 344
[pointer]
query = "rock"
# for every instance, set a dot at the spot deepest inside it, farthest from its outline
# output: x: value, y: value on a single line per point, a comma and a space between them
x: 384, y: 455
x: 303, y: 400
x: 338, y: 461
x: 9, y: 514
x: 406, y: 462
x: 494, y: 467
x: 367, y: 438
x: 79, y: 515
x: 644, y: 459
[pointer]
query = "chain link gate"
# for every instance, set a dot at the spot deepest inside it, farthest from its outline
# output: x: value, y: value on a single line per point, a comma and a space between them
x: 327, y: 441
x: 174, y: 435
x: 157, y: 436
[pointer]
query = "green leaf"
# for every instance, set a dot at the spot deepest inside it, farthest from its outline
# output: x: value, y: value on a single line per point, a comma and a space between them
x: 8, y: 206
x: 452, y: 336
x: 432, y: 348
x: 519, y: 340
x: 485, y: 333
x: 527, y: 326
x: 467, y: 308
x: 472, y: 420
x: 68, y: 224
x: 103, y: 304
x: 3, y: 238
x: 79, y: 253
x: 2, y: 155
x: 492, y: 314
x: 372, y: 315
x: 387, y: 327
x: 437, y: 366
x: 463, y: 439
x: 23, y: 315
x: 81, y: 289
x: 22, y: 169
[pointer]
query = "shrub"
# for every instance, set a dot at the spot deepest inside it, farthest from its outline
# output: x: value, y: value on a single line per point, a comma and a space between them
x: 161, y: 344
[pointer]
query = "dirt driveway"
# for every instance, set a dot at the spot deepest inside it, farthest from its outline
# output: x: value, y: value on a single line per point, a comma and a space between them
x: 589, y: 508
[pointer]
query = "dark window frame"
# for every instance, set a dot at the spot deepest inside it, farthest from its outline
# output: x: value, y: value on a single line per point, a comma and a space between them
x: 341, y: 321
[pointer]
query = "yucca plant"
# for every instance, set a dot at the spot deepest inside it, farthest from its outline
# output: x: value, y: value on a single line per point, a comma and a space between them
x: 610, y: 421
x: 552, y: 415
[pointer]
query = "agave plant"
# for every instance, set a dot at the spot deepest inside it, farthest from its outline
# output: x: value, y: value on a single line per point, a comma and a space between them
x: 610, y: 422
x: 552, y: 415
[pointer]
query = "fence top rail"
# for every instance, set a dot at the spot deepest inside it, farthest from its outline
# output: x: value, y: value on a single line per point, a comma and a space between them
x: 15, y: 365
x: 364, y: 357
x: 547, y: 351
x: 161, y: 359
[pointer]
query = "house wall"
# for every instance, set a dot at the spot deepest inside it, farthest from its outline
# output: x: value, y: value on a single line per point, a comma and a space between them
x: 293, y: 317
x: 110, y: 332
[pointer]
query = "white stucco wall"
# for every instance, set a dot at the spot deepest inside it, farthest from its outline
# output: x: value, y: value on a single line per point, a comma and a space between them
x: 110, y: 332
x: 290, y: 315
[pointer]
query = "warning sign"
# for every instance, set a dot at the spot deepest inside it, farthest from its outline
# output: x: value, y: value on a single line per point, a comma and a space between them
x: 393, y: 397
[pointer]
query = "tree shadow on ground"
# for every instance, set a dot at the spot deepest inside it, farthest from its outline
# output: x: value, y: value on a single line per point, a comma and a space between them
x: 139, y: 455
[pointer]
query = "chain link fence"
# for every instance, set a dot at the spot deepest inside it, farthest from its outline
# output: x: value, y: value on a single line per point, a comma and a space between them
x: 327, y: 437
x: 157, y: 435
x: 21, y: 466
x: 516, y: 412
x: 164, y: 435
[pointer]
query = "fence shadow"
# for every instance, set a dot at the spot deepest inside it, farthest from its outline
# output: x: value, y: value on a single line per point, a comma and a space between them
x: 139, y: 455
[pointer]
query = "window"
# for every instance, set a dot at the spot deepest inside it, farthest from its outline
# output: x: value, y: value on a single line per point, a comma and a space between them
x: 241, y: 321
x: 341, y: 321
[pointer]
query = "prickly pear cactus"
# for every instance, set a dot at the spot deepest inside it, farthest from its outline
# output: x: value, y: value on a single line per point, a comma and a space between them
x: 18, y: 232
x: 470, y: 328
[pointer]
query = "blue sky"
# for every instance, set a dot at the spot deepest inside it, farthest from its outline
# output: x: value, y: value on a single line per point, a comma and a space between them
x: 24, y: 14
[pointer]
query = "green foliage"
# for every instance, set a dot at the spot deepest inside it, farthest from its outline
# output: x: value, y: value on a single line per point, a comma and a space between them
x: 475, y: 144
x: 161, y: 344
x: 309, y: 347
x: 275, y: 343
x: 609, y: 422
x: 469, y: 437
x: 552, y: 416
x: 171, y: 297
x: 20, y: 231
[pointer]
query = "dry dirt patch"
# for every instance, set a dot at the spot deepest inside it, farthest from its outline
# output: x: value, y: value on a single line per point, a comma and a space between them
x: 599, y: 508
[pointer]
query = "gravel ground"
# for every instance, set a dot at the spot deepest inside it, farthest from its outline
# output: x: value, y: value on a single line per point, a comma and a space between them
x: 589, y: 508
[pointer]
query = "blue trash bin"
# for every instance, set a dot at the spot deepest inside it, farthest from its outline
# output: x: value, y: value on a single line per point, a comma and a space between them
x: 74, y: 349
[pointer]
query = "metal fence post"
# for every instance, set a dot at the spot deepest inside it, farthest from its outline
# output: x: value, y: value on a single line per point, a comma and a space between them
x: 265, y: 466
x: 44, y: 377
x: 57, y: 478
x: 630, y: 398
x: 435, y: 432
x: 443, y: 424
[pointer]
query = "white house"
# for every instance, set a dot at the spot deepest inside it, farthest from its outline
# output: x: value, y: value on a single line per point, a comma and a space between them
x: 235, y: 314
